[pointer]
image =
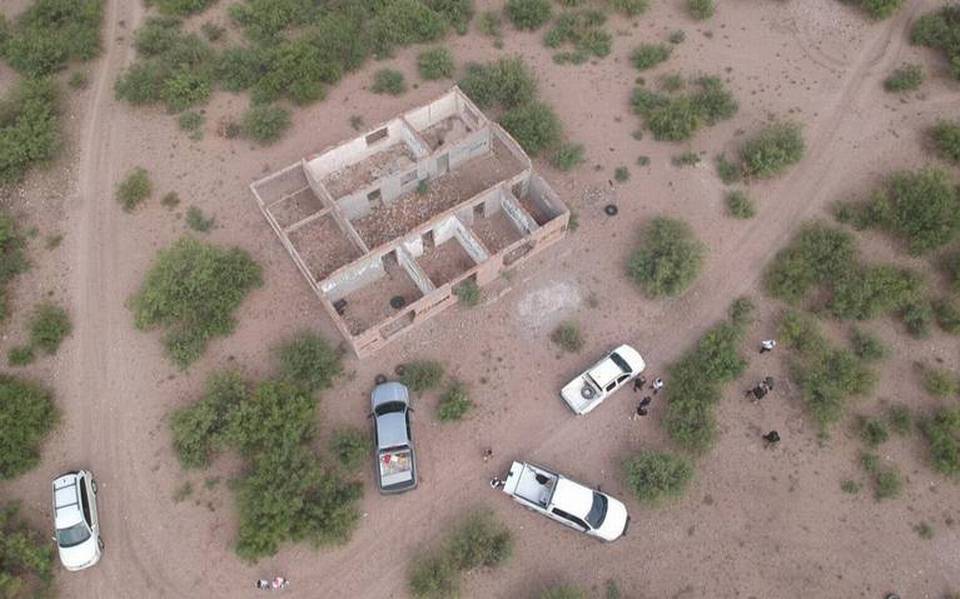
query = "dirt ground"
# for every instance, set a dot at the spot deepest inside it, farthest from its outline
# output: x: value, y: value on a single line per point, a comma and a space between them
x: 764, y: 523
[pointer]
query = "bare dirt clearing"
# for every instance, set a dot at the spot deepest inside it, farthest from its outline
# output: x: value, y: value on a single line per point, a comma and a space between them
x: 757, y: 523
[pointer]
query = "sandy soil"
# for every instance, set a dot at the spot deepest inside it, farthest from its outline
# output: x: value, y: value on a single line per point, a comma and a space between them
x: 756, y: 522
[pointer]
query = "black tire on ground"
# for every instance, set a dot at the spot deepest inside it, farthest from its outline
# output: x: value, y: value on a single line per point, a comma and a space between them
x: 400, y: 370
x: 380, y: 379
x: 93, y: 485
x: 100, y: 543
x: 611, y: 209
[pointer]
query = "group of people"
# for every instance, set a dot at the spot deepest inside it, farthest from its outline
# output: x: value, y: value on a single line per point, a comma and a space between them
x: 276, y: 584
x: 638, y: 385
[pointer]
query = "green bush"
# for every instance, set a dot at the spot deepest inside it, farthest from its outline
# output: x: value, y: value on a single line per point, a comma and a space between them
x: 468, y: 293
x: 900, y: 419
x: 404, y: 22
x: 181, y: 7
x: 567, y: 155
x: 874, y: 290
x: 12, y: 258
x: 713, y: 101
x: 940, y: 382
x: 850, y: 487
x: 490, y: 24
x: 873, y: 432
x: 422, y: 375
x: 134, y: 189
x: 621, y: 174
x: 27, y: 415
x: 880, y: 9
x: 308, y: 361
x: 535, y: 127
x: 563, y: 592
x: 192, y: 122
x: 867, y: 346
x: 351, y: 448
x: 654, y: 476
x: 198, y: 221
x: 508, y: 82
x: 192, y: 290
x: 528, y: 14
x: 888, y: 483
x: 49, y: 325
x: 817, y: 254
x: 51, y: 33
x: 212, y: 31
x: 701, y: 9
x: 647, y: 56
x: 201, y: 429
x: 669, y: 259
x: 388, y: 81
x: 943, y: 436
x: 801, y: 332
x: 686, y: 159
x: 918, y: 317
x: 79, y: 80
x: 906, y: 78
x: 276, y: 410
x: 946, y: 138
x: 676, y: 117
x: 772, y: 150
x: 454, y: 403
x: 950, y: 266
x: 20, y: 355
x: 265, y: 124
x: 631, y: 8
x: 568, y: 337
x: 29, y: 128
x: 739, y: 205
x: 436, y: 63
x: 26, y: 557
x: 583, y: 30
x: 741, y: 311
x: 947, y: 312
x: 434, y: 577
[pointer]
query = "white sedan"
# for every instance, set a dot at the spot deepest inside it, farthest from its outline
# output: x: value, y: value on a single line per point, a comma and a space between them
x: 601, y: 380
x: 76, y: 521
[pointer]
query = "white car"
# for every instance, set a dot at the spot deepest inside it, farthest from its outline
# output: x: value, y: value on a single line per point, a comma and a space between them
x: 568, y: 502
x: 76, y: 521
x: 601, y: 380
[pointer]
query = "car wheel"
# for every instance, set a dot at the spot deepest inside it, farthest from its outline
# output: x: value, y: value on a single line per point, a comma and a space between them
x: 100, y: 543
x: 93, y: 485
x: 587, y: 392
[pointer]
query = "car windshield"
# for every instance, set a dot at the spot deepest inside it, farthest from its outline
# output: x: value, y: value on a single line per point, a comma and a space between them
x: 391, y: 406
x: 599, y: 510
x: 76, y: 534
x: 620, y: 362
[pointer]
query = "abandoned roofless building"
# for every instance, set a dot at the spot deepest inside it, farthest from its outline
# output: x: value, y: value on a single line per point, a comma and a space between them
x: 385, y: 226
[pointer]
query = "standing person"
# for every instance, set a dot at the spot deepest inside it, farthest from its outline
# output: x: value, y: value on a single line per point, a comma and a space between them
x: 767, y: 345
x: 263, y: 583
x: 487, y: 454
x: 642, y: 408
x: 772, y: 438
x: 657, y: 385
x: 639, y: 382
x: 279, y: 582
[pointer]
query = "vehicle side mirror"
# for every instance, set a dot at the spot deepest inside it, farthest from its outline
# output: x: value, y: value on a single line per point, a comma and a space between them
x: 54, y: 539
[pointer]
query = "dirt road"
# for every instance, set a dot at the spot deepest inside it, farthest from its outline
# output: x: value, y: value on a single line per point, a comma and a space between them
x: 756, y: 523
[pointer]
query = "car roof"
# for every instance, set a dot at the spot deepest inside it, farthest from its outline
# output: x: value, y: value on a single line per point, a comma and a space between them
x: 631, y: 357
x: 388, y: 392
x: 573, y: 498
x: 66, y: 500
x: 392, y: 430
x: 605, y: 372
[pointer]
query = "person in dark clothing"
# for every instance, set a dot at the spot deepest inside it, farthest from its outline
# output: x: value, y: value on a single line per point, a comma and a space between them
x: 768, y: 381
x: 639, y: 382
x: 772, y: 438
x: 642, y: 407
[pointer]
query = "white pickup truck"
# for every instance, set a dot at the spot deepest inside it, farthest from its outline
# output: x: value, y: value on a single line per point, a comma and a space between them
x: 568, y: 502
x: 601, y: 380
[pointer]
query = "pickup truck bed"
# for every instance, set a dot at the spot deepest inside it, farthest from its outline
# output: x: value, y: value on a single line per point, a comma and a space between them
x: 396, y: 466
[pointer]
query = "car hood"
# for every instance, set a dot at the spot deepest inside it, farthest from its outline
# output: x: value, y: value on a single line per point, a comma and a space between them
x: 615, y: 521
x: 392, y: 430
x: 80, y: 556
x: 632, y: 357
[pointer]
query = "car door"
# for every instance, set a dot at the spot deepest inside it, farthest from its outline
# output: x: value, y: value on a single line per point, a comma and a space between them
x: 569, y: 520
x: 94, y: 511
x: 85, y: 504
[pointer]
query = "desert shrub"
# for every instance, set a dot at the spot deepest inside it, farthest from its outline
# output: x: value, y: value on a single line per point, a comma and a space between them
x: 801, y: 332
x: 924, y: 530
x: 181, y: 7
x: 887, y: 483
x: 583, y: 30
x: 739, y: 205
x: 26, y: 557
x: 729, y: 172
x: 309, y: 361
x: 940, y: 382
x: 949, y: 264
x: 947, y: 312
x: 457, y: 13
x: 401, y: 23
x: 741, y: 311
x: 817, y: 254
x: 568, y: 337
x: 701, y: 9
x: 850, y: 487
x: 13, y: 261
x: 535, y: 126
x: 192, y: 290
x: 941, y: 30
x: 422, y: 375
x: 134, y: 189
x: 673, y: 82
x: 563, y: 592
x: 20, y: 355
x: 490, y: 24
x: 454, y: 403
x: 567, y: 155
x: 645, y: 101
x: 631, y: 8
x: 772, y: 150
x: 79, y: 80
x: 200, y: 430
x: 29, y: 128
x: 874, y: 290
x: 265, y: 124
x: 388, y: 81
x: 654, y: 476
x: 436, y: 63
x: 946, y: 138
x: 51, y: 33
x: 942, y: 432
x: 433, y: 576
x: 508, y: 82
x: 873, y: 431
x: 867, y: 346
x: 528, y: 14
x: 276, y: 410
x: 918, y: 317
x: 27, y: 415
x: 689, y: 158
x: 49, y: 325
x: 647, y: 56
x: 198, y: 221
x: 239, y: 67
x: 191, y: 121
x: 712, y: 100
x: 468, y: 292
x: 900, y: 419
x: 621, y: 174
x: 480, y: 540
x: 676, y: 117
x: 212, y: 31
x: 351, y: 447
x: 906, y: 78
x: 880, y: 9
x: 669, y: 259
